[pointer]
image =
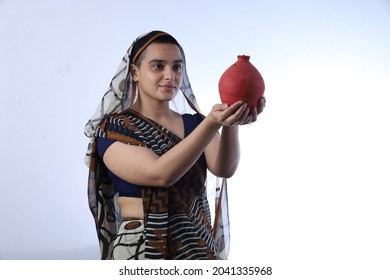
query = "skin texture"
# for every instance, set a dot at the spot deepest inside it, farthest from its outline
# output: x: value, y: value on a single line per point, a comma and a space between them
x: 158, y: 78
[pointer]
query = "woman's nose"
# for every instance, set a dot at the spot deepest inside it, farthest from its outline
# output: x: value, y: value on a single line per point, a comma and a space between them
x: 169, y: 74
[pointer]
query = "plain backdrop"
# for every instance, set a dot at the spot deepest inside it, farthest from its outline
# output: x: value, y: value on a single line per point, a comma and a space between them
x: 311, y: 193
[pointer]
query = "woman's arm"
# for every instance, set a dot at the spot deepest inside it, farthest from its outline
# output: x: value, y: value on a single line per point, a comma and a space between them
x: 141, y: 166
x: 223, y: 152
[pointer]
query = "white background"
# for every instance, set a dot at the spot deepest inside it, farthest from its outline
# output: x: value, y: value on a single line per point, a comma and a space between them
x: 310, y: 196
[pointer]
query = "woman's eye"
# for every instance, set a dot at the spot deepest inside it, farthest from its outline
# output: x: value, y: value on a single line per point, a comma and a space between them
x: 177, y: 67
x: 158, y: 66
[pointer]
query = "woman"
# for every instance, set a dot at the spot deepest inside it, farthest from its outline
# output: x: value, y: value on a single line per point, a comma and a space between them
x: 148, y: 163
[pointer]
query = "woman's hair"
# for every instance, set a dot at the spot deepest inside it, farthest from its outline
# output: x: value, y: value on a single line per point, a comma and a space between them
x: 138, y: 51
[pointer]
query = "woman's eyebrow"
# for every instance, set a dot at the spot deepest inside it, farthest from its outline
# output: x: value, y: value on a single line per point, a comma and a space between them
x: 164, y: 61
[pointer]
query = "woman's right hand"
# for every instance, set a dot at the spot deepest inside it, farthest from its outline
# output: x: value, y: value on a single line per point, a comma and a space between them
x: 225, y: 115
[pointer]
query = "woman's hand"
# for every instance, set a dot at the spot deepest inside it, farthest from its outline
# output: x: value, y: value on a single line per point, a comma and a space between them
x: 236, y: 114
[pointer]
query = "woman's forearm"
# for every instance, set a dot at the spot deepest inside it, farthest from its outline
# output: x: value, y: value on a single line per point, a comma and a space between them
x: 182, y: 157
x: 228, y: 156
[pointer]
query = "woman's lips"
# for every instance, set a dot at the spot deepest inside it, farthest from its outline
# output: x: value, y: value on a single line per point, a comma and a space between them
x: 168, y: 87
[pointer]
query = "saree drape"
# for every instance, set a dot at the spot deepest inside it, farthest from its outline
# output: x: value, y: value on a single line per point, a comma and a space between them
x: 177, y: 219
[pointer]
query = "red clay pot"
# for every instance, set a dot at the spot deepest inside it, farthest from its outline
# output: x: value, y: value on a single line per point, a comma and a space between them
x: 241, y: 81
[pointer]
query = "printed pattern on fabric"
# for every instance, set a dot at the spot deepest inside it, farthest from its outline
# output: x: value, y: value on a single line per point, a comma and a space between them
x: 129, y: 243
x: 178, y: 215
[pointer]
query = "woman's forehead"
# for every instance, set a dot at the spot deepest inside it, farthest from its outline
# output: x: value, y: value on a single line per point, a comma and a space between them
x: 162, y: 51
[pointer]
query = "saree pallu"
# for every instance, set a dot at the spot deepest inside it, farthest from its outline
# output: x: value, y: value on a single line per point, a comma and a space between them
x: 177, y: 221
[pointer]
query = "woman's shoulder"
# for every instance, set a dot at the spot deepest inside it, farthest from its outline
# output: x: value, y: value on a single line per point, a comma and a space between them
x: 195, y: 117
x: 103, y: 144
x: 123, y: 120
x: 124, y: 127
x: 191, y: 121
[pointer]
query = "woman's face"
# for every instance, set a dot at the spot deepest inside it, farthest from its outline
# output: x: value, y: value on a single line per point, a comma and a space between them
x: 159, y: 74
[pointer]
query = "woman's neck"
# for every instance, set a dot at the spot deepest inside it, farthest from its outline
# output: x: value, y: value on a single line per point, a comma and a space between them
x: 153, y: 110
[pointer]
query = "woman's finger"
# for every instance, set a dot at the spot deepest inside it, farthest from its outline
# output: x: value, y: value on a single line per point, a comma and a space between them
x: 239, y: 115
x: 261, y: 105
x: 254, y: 114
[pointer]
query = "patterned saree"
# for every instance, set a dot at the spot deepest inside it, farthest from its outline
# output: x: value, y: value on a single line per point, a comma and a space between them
x: 177, y: 219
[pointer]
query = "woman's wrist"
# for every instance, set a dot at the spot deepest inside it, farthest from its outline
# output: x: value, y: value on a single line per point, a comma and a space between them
x: 212, y: 123
x: 232, y: 129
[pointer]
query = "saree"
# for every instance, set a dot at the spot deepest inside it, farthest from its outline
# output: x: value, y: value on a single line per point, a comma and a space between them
x: 177, y: 219
x: 188, y: 220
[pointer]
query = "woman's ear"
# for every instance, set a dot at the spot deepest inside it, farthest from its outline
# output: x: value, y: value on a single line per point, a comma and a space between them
x: 134, y: 72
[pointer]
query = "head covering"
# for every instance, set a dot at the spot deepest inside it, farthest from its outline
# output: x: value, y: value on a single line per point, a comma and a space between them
x: 123, y: 90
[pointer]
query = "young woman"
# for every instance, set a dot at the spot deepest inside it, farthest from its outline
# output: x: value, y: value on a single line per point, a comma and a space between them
x: 148, y: 163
